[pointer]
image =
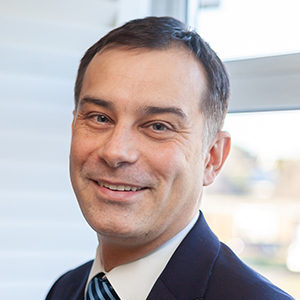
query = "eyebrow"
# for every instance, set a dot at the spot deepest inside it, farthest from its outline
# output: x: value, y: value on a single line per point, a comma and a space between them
x: 147, y: 110
x: 154, y: 110
x: 100, y: 102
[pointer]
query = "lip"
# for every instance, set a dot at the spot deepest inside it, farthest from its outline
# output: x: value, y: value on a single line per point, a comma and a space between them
x: 115, y: 194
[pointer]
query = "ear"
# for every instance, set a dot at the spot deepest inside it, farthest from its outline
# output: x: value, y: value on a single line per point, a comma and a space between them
x: 216, y: 156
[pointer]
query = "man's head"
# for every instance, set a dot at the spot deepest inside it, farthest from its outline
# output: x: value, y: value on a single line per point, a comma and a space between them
x: 162, y: 33
x: 136, y: 163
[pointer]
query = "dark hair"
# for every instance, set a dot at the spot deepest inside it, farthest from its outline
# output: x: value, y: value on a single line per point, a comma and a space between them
x: 159, y: 33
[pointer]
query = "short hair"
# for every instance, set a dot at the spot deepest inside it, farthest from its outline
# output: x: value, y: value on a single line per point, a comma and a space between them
x: 160, y: 33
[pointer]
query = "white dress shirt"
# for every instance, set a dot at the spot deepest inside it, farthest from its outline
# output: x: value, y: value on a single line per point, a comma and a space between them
x: 134, y: 280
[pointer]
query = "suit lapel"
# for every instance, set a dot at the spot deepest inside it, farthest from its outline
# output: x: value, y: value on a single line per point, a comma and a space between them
x: 78, y: 293
x: 187, y: 273
x: 77, y: 286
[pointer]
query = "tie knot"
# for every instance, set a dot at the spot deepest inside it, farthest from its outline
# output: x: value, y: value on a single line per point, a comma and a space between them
x: 100, y: 289
x: 101, y: 276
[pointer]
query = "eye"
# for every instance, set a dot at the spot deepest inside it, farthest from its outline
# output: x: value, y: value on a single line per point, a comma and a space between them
x: 159, y: 130
x: 101, y: 119
x: 159, y: 127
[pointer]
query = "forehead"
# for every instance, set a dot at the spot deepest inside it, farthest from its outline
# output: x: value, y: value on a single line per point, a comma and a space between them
x: 173, y: 74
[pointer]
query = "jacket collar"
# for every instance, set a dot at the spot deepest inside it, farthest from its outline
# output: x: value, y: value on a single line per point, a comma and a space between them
x: 181, y: 277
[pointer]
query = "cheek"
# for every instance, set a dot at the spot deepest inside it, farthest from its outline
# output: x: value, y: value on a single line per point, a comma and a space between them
x: 81, y: 148
x: 181, y: 163
x: 80, y: 152
x: 168, y: 160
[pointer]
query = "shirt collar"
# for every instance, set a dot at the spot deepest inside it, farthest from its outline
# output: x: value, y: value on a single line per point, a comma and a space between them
x: 135, y: 280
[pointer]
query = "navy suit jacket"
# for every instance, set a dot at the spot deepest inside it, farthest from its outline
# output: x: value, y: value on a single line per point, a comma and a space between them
x: 201, y: 268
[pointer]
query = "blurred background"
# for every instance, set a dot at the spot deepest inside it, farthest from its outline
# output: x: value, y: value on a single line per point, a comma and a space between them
x: 254, y: 206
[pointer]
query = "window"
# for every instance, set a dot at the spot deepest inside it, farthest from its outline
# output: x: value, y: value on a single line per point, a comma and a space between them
x: 250, y: 28
x: 257, y: 193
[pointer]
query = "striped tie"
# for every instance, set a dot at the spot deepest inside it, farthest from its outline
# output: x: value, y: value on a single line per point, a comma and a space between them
x: 100, y: 289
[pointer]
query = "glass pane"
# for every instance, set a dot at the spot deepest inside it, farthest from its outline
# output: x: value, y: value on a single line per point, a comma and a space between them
x: 257, y: 195
x: 251, y: 28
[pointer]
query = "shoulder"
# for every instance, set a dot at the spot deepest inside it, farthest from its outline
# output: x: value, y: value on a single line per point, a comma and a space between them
x: 71, y: 284
x: 210, y: 270
x: 234, y: 277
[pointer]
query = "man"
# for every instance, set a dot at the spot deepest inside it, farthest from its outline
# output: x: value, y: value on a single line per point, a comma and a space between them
x: 150, y: 100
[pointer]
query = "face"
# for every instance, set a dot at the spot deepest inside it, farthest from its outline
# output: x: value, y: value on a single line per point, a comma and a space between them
x: 136, y: 160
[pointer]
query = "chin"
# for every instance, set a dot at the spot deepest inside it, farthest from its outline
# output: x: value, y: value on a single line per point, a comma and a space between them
x: 108, y: 227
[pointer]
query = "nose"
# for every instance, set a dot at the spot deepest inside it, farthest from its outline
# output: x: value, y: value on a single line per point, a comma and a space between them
x: 120, y: 147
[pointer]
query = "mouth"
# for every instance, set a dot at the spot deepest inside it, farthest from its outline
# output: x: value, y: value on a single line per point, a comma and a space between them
x: 119, y: 188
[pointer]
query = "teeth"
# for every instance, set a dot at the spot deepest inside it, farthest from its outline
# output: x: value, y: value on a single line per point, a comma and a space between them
x: 119, y: 187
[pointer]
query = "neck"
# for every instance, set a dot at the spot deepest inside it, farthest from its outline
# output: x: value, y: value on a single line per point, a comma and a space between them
x: 116, y: 254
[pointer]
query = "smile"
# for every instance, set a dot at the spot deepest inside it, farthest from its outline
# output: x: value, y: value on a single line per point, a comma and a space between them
x: 121, y: 188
